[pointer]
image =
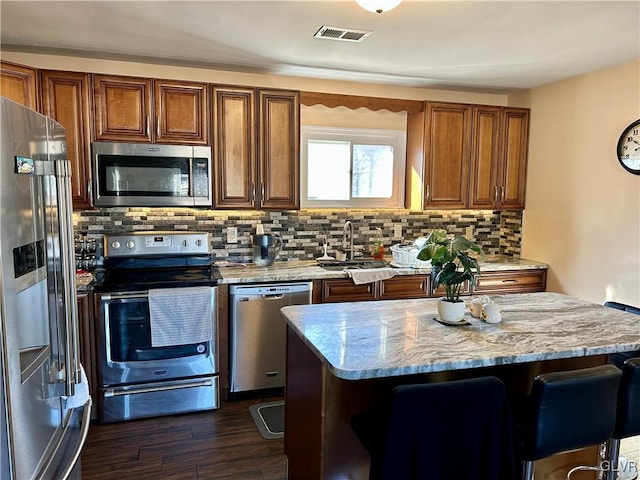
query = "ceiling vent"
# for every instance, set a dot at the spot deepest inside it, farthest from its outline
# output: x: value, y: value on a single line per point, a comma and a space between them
x: 343, y: 34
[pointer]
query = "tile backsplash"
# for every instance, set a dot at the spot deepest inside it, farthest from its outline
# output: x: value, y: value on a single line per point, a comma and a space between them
x: 302, y: 231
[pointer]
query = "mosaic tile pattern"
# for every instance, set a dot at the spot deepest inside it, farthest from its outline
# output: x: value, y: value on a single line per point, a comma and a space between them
x: 302, y: 231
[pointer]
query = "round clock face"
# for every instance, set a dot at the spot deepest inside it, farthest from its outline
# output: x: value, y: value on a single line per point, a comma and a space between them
x: 629, y: 148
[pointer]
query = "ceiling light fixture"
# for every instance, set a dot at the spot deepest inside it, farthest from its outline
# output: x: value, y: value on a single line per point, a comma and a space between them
x: 378, y: 6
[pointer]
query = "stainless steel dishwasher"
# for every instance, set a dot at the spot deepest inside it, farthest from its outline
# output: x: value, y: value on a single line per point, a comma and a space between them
x: 258, y: 333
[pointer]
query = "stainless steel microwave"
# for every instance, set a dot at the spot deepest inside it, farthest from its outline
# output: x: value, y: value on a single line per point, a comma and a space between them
x: 151, y: 175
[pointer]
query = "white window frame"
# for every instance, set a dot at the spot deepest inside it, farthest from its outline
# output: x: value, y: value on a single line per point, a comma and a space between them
x: 396, y: 138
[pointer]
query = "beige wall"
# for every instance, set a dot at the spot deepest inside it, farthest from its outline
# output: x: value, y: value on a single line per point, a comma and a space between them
x: 583, y: 209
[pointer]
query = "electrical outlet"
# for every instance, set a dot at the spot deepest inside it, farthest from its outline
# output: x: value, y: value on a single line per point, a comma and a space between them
x: 397, y: 231
x: 469, y: 232
x: 232, y: 234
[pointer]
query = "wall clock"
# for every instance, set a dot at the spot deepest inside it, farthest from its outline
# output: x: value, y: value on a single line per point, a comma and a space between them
x: 629, y: 148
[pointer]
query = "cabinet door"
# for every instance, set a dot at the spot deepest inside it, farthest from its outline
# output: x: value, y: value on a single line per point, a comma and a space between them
x: 485, y: 157
x: 516, y: 281
x: 439, y: 291
x: 405, y: 286
x: 181, y: 112
x: 122, y: 108
x: 344, y: 290
x: 65, y: 98
x: 234, y: 147
x: 448, y: 141
x: 515, y: 138
x: 19, y: 83
x: 87, y: 350
x: 279, y: 149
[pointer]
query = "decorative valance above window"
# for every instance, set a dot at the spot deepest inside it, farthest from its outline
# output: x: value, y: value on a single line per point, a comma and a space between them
x: 356, y: 101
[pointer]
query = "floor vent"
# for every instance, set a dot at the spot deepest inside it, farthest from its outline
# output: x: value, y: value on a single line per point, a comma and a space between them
x: 343, y: 34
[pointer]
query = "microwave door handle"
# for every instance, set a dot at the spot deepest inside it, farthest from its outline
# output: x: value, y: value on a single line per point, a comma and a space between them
x: 192, y: 191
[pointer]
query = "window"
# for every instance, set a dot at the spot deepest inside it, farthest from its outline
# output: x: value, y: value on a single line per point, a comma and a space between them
x: 347, y: 167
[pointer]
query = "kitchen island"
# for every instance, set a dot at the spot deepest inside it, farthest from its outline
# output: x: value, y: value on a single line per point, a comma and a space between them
x: 344, y: 358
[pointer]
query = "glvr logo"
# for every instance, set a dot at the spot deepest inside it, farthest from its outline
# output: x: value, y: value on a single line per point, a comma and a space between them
x: 159, y: 373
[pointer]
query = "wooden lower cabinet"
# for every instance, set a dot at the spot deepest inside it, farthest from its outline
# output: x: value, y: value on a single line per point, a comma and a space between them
x: 419, y: 286
x: 439, y: 291
x: 399, y: 287
x: 344, y: 290
x: 404, y: 286
x: 87, y: 334
x: 512, y: 281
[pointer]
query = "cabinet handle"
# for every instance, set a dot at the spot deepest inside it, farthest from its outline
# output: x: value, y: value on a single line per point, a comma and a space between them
x: 148, y: 131
x: 261, y: 191
x: 427, y: 193
x: 509, y: 280
x: 253, y: 193
x: 502, y: 193
x: 495, y: 194
x: 158, y: 127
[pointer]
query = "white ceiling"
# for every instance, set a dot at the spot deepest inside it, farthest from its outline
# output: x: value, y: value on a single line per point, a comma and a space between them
x: 494, y: 45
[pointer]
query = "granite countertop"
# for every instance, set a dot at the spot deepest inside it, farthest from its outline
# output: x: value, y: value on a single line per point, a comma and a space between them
x: 399, y: 337
x: 309, y: 270
x: 84, y: 282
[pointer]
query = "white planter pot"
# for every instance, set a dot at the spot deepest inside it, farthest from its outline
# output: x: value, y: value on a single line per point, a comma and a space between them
x: 451, y: 311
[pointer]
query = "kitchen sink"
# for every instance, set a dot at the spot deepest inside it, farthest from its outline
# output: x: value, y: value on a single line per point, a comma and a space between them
x: 356, y: 264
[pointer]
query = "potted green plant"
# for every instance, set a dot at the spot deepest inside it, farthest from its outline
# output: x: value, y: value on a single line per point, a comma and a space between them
x: 452, y: 266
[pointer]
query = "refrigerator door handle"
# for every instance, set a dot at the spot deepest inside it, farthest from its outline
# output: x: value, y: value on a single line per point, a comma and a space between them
x: 84, y: 431
x: 67, y: 260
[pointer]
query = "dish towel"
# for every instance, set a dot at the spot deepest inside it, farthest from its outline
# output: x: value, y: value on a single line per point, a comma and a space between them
x: 180, y: 316
x: 370, y: 275
x: 80, y: 397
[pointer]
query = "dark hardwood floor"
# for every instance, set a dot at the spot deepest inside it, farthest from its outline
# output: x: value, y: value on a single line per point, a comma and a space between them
x: 219, y: 444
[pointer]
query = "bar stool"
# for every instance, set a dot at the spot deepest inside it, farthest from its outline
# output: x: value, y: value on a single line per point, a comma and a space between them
x: 568, y: 411
x: 627, y: 418
x: 618, y: 359
x: 451, y: 430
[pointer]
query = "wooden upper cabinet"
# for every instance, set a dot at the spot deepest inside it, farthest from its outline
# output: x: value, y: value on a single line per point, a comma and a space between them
x: 129, y: 109
x: 19, y: 83
x: 485, y: 157
x: 279, y: 149
x: 234, y: 147
x: 499, y: 157
x: 66, y: 99
x: 447, y: 147
x: 122, y: 108
x: 515, y: 143
x: 181, y: 112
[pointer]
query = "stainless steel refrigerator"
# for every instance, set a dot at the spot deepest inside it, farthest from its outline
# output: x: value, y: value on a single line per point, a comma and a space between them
x: 44, y: 401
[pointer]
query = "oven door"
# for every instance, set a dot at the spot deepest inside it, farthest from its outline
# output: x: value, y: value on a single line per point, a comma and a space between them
x: 125, y: 354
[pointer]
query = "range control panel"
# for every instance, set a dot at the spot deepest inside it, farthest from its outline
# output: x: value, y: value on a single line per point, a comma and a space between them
x: 156, y: 243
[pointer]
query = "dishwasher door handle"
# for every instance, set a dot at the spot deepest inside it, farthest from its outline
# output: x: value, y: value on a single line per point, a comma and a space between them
x: 274, y: 296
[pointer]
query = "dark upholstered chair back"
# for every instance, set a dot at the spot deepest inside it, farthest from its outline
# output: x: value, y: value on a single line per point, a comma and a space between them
x: 628, y: 414
x: 570, y: 410
x: 443, y: 431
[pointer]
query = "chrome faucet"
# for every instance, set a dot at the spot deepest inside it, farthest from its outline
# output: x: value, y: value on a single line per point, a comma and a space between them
x: 348, y: 226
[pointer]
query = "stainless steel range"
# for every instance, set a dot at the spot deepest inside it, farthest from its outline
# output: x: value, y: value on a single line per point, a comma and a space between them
x: 157, y: 329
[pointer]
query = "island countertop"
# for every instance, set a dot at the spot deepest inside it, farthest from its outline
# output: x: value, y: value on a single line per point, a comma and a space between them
x: 309, y: 270
x: 400, y: 337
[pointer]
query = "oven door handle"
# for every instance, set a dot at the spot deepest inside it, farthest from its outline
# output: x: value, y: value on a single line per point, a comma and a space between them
x: 123, y: 296
x: 112, y: 392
